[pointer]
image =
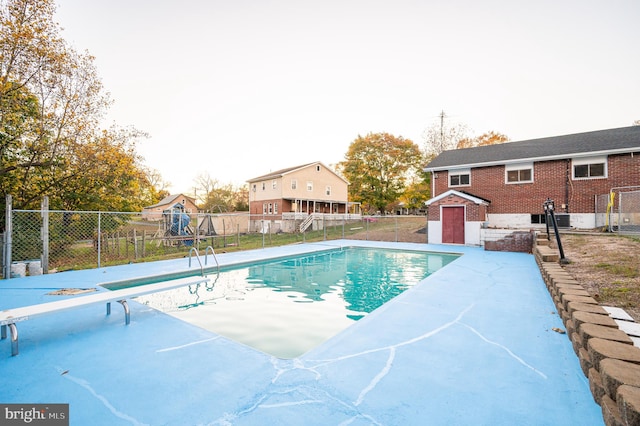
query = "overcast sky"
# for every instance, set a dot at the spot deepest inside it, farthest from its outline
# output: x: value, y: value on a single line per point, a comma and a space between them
x: 239, y: 88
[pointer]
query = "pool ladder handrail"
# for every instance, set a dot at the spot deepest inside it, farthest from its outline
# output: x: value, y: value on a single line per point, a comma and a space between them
x: 206, y: 256
x: 191, y: 250
x: 206, y: 252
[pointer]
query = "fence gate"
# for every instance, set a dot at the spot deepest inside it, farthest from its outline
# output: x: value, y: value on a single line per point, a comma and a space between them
x: 619, y: 210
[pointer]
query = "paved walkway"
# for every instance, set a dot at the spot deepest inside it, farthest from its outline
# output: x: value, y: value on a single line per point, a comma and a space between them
x: 471, y: 345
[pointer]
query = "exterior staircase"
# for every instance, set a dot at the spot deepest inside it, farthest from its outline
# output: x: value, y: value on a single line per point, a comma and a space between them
x: 307, y: 222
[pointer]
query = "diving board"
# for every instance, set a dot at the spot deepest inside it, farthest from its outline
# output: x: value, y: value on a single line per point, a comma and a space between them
x: 9, y: 317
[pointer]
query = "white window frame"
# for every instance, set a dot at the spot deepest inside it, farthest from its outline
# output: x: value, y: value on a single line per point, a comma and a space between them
x: 294, y: 184
x: 274, y: 184
x: 459, y: 172
x: 328, y: 190
x: 517, y: 167
x: 309, y: 185
x: 275, y: 208
x: 264, y: 208
x: 589, y: 161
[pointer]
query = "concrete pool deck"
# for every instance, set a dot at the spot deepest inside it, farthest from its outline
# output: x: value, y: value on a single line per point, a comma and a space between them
x: 473, y: 344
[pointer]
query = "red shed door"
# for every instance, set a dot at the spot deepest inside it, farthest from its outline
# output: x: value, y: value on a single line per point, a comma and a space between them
x: 453, y: 225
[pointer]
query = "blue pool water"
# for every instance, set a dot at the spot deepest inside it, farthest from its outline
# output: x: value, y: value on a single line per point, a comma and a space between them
x: 286, y: 307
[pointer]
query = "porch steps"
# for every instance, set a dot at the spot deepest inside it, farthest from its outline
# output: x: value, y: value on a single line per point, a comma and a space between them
x: 307, y: 222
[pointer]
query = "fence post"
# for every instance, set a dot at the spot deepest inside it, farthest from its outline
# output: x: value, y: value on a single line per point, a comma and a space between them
x: 45, y: 234
x: 7, y: 240
x: 396, y: 226
x: 324, y: 226
x: 99, y: 238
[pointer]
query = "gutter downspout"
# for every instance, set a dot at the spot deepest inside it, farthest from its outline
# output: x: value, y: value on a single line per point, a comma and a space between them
x: 566, y: 186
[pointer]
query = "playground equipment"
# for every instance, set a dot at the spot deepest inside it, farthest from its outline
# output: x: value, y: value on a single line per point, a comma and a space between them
x: 177, y: 226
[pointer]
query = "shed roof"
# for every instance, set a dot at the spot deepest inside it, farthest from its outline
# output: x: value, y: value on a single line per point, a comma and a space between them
x: 169, y: 199
x: 600, y: 142
x: 464, y: 195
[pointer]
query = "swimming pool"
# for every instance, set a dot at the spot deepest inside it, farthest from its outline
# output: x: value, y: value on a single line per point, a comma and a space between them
x: 286, y: 307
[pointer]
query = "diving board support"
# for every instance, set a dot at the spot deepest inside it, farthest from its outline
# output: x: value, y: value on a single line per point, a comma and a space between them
x: 14, y: 337
x: 127, y: 312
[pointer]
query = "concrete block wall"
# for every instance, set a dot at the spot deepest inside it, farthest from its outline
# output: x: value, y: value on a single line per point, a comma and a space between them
x: 508, y: 240
x: 607, y: 355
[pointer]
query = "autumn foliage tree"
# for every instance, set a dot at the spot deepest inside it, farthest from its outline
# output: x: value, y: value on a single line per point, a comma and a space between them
x: 377, y: 167
x: 51, y: 105
x: 489, y: 138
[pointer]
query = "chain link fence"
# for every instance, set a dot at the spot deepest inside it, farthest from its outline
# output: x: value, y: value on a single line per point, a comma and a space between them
x: 619, y: 211
x: 47, y: 241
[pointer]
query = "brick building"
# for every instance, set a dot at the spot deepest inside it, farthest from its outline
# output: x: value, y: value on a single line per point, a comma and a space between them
x: 514, y: 179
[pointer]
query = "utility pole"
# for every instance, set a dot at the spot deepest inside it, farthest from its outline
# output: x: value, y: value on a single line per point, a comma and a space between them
x: 442, y: 115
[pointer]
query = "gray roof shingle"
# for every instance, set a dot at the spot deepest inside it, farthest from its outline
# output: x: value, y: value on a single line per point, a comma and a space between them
x: 601, y: 142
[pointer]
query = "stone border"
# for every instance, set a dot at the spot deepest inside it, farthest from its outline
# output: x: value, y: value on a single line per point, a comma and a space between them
x: 607, y: 354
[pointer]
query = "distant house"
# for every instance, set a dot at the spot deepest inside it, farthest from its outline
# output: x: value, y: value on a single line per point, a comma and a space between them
x: 506, y: 185
x: 154, y: 212
x: 292, y: 194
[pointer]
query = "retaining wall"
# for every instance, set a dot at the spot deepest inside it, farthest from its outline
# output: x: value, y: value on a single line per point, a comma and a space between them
x: 607, y: 354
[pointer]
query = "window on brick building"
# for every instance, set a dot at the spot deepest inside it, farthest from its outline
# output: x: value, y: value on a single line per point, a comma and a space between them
x: 519, y: 173
x: 538, y: 218
x: 460, y: 177
x: 589, y: 168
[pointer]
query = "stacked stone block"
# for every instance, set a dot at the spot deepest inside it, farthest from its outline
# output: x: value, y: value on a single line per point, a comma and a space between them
x: 607, y: 354
x: 517, y: 241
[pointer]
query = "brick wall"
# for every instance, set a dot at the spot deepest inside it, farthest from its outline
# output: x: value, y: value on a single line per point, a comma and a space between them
x: 552, y: 179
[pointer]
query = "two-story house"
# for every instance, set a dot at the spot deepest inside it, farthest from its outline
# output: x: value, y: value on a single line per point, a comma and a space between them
x: 285, y: 196
x: 506, y: 185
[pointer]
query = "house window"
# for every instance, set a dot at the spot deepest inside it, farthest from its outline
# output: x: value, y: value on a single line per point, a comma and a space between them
x: 270, y: 208
x: 519, y: 173
x: 264, y: 208
x: 274, y: 184
x: 538, y: 218
x: 263, y: 186
x: 254, y: 187
x: 588, y: 168
x: 328, y: 190
x: 294, y: 184
x: 318, y: 168
x: 460, y: 177
x: 275, y: 208
x: 309, y: 185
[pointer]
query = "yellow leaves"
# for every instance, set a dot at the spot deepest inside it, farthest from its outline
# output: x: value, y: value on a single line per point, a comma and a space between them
x: 489, y: 138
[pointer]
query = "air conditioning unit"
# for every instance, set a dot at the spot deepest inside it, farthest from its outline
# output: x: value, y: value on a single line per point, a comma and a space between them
x: 563, y: 220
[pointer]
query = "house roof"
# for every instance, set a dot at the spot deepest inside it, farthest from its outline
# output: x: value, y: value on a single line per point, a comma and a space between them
x: 282, y: 172
x: 601, y: 142
x: 169, y: 199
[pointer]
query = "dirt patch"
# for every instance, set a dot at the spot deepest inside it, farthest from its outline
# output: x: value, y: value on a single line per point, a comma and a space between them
x: 71, y: 291
x: 608, y: 266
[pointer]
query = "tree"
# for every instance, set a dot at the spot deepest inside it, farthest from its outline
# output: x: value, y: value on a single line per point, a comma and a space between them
x: 377, y: 167
x: 51, y: 105
x: 443, y: 136
x: 489, y: 138
x: 418, y: 191
x: 216, y: 198
x: 157, y: 186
